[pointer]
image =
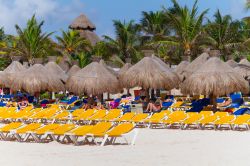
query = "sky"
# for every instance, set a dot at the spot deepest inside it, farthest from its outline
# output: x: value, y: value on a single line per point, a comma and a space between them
x: 58, y: 14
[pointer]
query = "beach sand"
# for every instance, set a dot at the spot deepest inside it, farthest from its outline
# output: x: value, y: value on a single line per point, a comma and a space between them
x: 153, y: 147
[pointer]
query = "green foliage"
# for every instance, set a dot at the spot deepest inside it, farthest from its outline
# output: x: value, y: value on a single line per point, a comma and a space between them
x: 100, y: 49
x: 83, y: 59
x: 187, y: 25
x: 32, y: 42
x: 4, y: 62
x: 126, y: 43
x: 45, y: 95
x: 71, y: 42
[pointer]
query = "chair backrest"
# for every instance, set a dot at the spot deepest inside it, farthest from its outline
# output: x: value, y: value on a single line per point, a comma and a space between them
x: 221, y: 114
x: 121, y: 129
x: 166, y: 104
x: 101, y: 127
x: 72, y: 100
x: 128, y: 116
x: 140, y: 116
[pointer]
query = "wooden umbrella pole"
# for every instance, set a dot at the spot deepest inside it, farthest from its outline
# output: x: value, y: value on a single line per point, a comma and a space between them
x: 147, y: 95
x: 213, y: 101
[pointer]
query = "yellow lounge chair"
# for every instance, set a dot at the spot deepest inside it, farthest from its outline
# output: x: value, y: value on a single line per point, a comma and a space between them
x: 175, y: 119
x: 126, y: 117
x: 139, y: 117
x: 112, y: 114
x: 89, y: 131
x: 155, y: 119
x: 37, y: 134
x: 206, y: 113
x: 77, y: 112
x: 4, y: 131
x: 208, y: 121
x: 84, y: 115
x: 241, y: 122
x: 192, y: 121
x: 97, y: 116
x: 18, y: 133
x: 118, y: 131
x: 224, y: 121
x: 60, y: 131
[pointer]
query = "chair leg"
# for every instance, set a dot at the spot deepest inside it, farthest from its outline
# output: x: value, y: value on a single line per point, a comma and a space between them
x: 135, y: 135
x: 104, y: 140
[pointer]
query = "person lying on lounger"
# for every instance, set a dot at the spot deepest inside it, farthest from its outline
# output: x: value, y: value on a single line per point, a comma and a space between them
x: 227, y: 102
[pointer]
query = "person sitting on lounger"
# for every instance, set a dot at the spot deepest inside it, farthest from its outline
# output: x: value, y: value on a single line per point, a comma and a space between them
x: 153, y: 106
x: 227, y: 102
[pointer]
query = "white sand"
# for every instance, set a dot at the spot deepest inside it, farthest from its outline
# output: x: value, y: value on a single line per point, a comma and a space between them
x: 153, y: 147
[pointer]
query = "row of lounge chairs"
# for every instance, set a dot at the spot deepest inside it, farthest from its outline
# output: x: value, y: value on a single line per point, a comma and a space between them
x: 106, y: 132
x: 164, y: 119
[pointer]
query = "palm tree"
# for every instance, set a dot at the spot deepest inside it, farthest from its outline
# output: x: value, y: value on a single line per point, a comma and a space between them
x: 126, y: 42
x: 224, y: 34
x: 154, y: 25
x: 187, y: 25
x: 32, y: 42
x: 71, y: 42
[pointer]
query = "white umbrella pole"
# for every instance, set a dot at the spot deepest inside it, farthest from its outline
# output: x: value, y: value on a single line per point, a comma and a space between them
x: 53, y: 96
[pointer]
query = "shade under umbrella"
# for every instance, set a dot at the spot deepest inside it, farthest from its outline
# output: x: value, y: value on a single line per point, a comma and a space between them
x: 57, y: 71
x: 214, y: 78
x: 232, y: 63
x: 36, y: 79
x: 148, y: 73
x: 94, y: 79
x: 9, y: 73
x: 74, y: 69
x: 195, y: 64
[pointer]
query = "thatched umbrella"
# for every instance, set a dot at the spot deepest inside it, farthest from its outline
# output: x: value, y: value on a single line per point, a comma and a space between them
x: 110, y: 69
x: 124, y: 68
x: 232, y: 63
x: 8, y: 74
x: 244, y: 62
x: 181, y: 68
x: 37, y: 79
x: 73, y: 70
x: 195, y: 64
x: 86, y: 29
x: 148, y: 73
x: 94, y: 79
x: 82, y: 22
x: 214, y: 78
x: 56, y: 70
x: 243, y: 70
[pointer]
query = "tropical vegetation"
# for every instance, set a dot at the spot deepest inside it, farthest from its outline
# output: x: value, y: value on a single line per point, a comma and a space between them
x: 173, y: 33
